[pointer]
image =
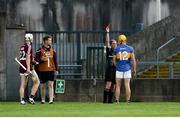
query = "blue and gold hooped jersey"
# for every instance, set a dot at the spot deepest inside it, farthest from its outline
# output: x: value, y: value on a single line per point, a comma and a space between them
x: 123, y: 57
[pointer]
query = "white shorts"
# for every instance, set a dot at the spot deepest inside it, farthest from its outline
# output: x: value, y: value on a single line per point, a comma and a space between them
x: 33, y: 72
x: 123, y: 75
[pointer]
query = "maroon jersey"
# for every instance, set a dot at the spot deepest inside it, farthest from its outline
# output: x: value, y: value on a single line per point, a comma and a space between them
x: 43, y: 65
x: 24, y: 50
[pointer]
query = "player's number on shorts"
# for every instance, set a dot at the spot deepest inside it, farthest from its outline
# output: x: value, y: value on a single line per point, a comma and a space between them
x: 123, y: 55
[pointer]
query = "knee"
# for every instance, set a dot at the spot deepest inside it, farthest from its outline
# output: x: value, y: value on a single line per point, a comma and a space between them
x: 117, y: 88
x: 36, y: 81
x: 117, y: 85
x: 43, y: 86
x: 107, y: 86
x: 50, y: 85
x: 127, y: 84
x: 22, y: 87
x: 127, y: 87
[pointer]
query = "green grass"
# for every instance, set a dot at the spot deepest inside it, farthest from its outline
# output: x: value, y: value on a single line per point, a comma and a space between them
x: 81, y: 109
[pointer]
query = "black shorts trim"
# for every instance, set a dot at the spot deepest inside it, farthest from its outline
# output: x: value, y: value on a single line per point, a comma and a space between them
x: 46, y: 76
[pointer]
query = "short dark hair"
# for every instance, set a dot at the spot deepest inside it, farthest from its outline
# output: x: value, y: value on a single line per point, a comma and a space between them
x: 46, y: 38
x: 111, y: 41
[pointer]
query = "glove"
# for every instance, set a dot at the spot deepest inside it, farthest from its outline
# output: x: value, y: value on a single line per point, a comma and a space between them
x: 134, y: 75
x: 28, y: 75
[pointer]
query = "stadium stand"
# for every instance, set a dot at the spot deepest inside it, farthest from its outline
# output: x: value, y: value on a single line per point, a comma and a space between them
x: 164, y: 69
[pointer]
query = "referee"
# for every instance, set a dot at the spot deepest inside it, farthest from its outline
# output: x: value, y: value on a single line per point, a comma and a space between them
x: 110, y: 69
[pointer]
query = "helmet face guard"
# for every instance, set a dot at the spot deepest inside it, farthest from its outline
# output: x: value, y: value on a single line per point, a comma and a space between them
x: 28, y: 37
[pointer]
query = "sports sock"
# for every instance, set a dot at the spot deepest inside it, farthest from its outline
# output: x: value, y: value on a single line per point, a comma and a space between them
x: 31, y: 96
x: 110, y: 97
x: 106, y: 94
x: 21, y: 99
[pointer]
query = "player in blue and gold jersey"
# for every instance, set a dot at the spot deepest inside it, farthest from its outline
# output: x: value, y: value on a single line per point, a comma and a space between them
x: 125, y: 62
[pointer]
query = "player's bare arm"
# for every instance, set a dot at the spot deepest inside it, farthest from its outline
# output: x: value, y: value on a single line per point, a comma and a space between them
x: 35, y: 62
x: 133, y: 61
x: 28, y: 56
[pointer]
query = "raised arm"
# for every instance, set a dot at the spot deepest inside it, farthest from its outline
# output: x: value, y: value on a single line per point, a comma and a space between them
x: 107, y: 37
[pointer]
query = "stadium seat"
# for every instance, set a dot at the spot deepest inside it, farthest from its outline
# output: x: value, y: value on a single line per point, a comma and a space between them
x: 151, y: 73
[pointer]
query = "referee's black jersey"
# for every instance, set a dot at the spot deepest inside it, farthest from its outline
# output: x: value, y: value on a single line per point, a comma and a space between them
x: 109, y: 57
x: 110, y: 68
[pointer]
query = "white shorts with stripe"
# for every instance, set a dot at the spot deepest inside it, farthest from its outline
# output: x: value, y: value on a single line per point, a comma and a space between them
x: 123, y: 75
x: 33, y: 72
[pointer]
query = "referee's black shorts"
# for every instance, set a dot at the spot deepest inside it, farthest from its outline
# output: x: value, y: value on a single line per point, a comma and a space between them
x: 46, y: 76
x: 110, y: 74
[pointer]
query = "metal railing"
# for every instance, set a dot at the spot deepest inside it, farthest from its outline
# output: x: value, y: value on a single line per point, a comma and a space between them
x: 96, y: 62
x: 75, y: 47
x: 162, y: 46
x: 158, y: 54
x: 170, y: 65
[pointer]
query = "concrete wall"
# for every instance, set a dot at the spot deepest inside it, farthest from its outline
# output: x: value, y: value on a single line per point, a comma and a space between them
x: 2, y: 57
x: 14, y: 39
x: 142, y: 90
x: 81, y: 90
x: 10, y: 41
x: 3, y: 5
x: 87, y: 91
x: 147, y: 41
x: 156, y: 90
x: 66, y: 15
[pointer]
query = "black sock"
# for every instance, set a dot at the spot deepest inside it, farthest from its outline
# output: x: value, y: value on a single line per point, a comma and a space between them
x: 106, y: 92
x: 32, y: 96
x: 110, y: 97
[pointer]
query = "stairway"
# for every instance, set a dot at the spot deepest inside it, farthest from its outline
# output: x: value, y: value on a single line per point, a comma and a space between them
x: 164, y: 71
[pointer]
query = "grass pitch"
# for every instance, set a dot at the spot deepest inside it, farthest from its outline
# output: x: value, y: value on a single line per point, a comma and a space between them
x: 81, y: 109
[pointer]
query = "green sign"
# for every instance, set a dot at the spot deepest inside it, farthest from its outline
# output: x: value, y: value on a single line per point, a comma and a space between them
x: 60, y: 86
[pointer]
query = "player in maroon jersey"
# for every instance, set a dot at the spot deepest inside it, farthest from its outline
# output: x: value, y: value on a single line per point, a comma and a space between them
x: 26, y: 59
